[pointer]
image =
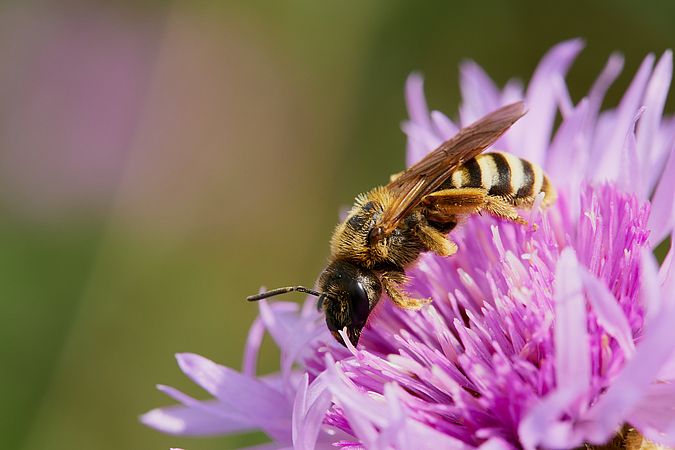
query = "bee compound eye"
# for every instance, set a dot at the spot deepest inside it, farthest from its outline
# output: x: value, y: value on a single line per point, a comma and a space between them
x: 359, y: 303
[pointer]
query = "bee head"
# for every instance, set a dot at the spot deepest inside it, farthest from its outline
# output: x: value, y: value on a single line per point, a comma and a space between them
x: 349, y: 294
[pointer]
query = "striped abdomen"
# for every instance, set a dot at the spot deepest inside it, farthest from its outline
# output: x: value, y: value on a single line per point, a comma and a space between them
x: 503, y: 175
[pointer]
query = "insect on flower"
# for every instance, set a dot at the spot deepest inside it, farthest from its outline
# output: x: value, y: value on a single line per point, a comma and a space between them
x: 389, y: 227
x: 560, y: 338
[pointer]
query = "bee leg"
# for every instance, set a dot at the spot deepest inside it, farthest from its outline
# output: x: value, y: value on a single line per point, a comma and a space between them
x: 500, y: 207
x: 441, y: 204
x: 435, y: 241
x: 447, y: 203
x: 391, y: 282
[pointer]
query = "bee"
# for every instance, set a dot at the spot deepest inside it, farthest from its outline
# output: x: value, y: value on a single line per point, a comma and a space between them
x: 389, y: 227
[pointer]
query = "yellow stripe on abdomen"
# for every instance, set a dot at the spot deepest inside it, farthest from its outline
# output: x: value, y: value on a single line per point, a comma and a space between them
x: 503, y: 175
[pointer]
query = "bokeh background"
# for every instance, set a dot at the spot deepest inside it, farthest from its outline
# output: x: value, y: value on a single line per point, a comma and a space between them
x: 159, y: 161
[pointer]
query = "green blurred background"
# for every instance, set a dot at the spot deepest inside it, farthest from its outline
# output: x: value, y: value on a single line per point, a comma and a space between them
x: 159, y: 161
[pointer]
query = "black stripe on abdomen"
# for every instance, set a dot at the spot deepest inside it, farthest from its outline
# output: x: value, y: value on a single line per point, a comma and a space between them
x: 473, y: 174
x: 502, y: 187
x: 528, y: 180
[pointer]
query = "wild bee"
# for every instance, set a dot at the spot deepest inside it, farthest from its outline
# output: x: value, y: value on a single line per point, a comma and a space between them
x: 389, y: 227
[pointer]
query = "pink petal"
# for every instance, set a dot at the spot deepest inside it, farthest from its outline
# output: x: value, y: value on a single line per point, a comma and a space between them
x: 650, y: 294
x: 597, y: 93
x: 569, y: 146
x: 661, y: 148
x: 608, y: 312
x: 630, y: 179
x: 414, y: 151
x: 662, y: 212
x: 424, y: 437
x: 299, y: 406
x: 654, y: 101
x: 603, y: 130
x: 666, y: 299
x: 377, y: 421
x: 654, y: 415
x: 309, y: 410
x: 292, y: 333
x: 416, y: 101
x: 572, y: 347
x: 225, y: 383
x: 667, y: 372
x: 404, y: 432
x: 607, y: 150
x: 363, y: 414
x: 421, y: 141
x: 512, y: 92
x: 534, y: 130
x: 667, y: 272
x: 252, y: 348
x: 392, y: 435
x: 479, y: 93
x: 188, y: 421
x: 496, y: 444
x: 446, y: 128
x: 253, y: 400
x: 632, y: 383
x: 562, y: 95
x: 230, y: 418
x: 280, y: 318
x: 270, y: 446
x: 542, y: 425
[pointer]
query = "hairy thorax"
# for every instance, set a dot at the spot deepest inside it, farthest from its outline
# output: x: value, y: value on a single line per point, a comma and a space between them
x: 351, y: 239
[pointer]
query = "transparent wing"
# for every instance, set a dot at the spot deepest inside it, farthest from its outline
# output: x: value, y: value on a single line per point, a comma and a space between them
x: 427, y: 175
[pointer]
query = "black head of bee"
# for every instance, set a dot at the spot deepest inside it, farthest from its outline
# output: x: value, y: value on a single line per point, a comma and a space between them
x: 349, y: 294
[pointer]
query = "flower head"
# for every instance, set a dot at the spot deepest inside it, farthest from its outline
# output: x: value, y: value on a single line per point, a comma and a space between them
x: 551, y: 335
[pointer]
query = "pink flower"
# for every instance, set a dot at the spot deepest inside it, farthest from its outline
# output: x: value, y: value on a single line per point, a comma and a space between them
x: 550, y: 337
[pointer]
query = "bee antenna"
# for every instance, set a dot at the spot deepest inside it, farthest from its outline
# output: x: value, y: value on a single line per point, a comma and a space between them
x: 283, y: 290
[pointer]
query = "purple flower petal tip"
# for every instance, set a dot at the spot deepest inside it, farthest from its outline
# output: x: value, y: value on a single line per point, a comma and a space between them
x: 163, y: 422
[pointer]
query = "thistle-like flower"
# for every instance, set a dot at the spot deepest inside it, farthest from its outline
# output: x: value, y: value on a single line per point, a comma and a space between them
x: 556, y: 335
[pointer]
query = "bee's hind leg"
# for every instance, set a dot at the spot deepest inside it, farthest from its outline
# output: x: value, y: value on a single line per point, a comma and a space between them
x: 500, y: 207
x: 391, y: 282
x: 464, y: 201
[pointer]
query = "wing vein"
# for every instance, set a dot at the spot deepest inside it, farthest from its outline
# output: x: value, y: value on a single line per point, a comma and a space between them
x: 428, y: 174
